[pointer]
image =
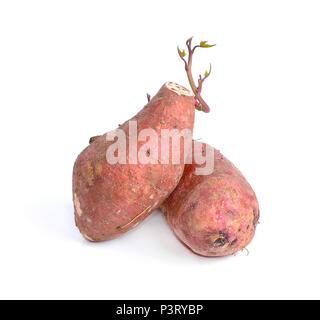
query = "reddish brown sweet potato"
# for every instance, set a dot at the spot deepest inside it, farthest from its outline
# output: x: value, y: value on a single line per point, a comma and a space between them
x: 213, y: 215
x: 110, y: 199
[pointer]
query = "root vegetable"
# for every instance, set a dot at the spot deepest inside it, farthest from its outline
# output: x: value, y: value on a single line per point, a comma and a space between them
x: 110, y: 199
x: 213, y: 215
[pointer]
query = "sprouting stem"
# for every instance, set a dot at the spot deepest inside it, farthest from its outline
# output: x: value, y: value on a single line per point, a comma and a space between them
x: 200, y: 104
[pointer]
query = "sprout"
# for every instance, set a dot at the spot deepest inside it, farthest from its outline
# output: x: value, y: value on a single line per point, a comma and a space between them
x: 200, y: 104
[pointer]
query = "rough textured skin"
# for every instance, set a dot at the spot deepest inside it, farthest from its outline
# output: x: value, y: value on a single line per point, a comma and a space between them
x: 112, y: 199
x: 213, y: 215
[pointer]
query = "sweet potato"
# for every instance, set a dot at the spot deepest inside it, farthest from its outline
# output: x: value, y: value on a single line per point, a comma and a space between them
x: 216, y: 214
x: 110, y: 199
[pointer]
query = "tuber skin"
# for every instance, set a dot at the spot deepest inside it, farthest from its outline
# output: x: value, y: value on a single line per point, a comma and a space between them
x: 213, y: 215
x: 110, y: 199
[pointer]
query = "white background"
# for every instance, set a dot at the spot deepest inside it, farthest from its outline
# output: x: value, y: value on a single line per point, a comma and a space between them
x: 70, y: 70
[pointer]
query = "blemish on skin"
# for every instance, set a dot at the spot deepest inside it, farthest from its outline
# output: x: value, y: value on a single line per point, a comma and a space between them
x: 98, y: 169
x: 105, y: 221
x: 152, y: 196
x: 233, y: 193
x: 233, y: 242
x: 220, y: 242
x: 224, y: 234
x: 134, y: 219
x: 88, y: 220
x: 87, y: 237
x: 193, y: 205
x: 256, y: 217
x: 77, y: 206
x: 92, y: 139
x: 87, y: 173
x: 230, y: 214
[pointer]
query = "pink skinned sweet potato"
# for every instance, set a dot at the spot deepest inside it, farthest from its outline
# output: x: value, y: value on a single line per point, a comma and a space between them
x: 213, y: 215
x: 110, y: 199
